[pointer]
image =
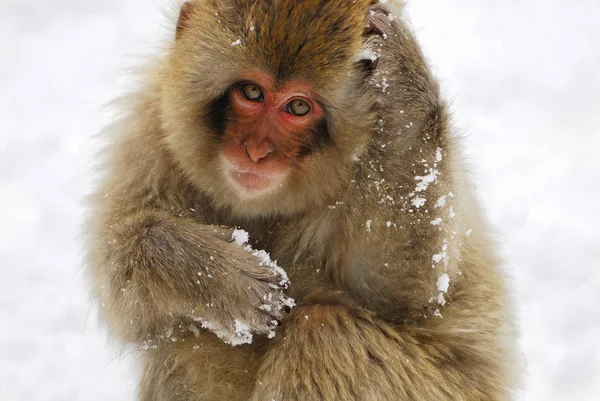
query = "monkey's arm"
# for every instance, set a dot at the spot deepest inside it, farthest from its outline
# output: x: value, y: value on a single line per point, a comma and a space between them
x: 151, y: 267
x: 414, y: 200
x: 463, y: 356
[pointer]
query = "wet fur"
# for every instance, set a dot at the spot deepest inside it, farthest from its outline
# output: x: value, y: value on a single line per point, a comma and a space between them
x: 368, y: 325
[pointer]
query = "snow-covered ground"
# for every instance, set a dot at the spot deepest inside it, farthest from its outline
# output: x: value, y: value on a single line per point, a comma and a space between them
x: 524, y: 77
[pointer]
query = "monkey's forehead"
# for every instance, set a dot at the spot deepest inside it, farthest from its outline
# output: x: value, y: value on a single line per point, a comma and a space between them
x: 313, y: 39
x: 308, y: 37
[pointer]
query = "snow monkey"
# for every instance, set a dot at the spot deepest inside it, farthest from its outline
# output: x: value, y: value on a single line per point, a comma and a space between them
x: 285, y: 215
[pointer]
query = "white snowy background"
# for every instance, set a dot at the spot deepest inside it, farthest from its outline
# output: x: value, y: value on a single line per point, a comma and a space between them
x: 524, y: 80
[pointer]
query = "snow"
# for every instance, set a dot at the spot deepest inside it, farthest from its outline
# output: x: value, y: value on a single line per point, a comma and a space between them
x: 240, y: 237
x: 442, y: 256
x: 441, y: 202
x: 241, y: 333
x: 523, y: 78
x: 436, y: 222
x: 425, y: 180
x: 418, y: 201
x: 443, y: 282
x: 367, y: 54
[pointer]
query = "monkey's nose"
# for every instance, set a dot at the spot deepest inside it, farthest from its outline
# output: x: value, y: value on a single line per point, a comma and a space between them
x: 257, y: 151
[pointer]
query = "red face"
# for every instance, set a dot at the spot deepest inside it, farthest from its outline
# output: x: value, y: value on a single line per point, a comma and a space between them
x: 266, y: 131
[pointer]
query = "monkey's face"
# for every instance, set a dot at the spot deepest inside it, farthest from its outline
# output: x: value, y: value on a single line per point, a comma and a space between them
x: 268, y: 130
x: 264, y: 106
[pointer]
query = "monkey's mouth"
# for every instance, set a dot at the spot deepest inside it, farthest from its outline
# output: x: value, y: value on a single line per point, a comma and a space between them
x: 253, y: 183
x: 250, y: 181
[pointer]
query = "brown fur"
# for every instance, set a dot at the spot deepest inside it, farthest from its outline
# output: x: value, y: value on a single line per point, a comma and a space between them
x: 352, y: 225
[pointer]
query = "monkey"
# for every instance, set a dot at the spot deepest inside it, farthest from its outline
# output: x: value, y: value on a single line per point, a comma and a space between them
x: 312, y: 131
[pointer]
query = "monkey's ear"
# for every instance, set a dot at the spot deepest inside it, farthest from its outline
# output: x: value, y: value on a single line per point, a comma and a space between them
x: 184, y: 17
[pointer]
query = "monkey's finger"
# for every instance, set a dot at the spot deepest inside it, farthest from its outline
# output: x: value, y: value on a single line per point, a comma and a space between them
x: 276, y: 304
x: 381, y: 8
x: 378, y: 22
x: 223, y: 233
x: 262, y: 273
x: 268, y: 275
x: 265, y: 325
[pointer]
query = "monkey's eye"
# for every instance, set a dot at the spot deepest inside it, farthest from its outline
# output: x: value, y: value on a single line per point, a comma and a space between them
x: 298, y: 107
x: 252, y: 92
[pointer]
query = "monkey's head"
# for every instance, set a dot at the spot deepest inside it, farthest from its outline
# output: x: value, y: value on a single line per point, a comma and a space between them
x: 264, y: 103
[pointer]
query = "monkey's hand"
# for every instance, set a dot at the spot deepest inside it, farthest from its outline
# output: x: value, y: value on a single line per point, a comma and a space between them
x: 247, y: 294
x: 399, y: 72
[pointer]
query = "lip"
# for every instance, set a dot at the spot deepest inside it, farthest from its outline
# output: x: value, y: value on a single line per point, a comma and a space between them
x: 251, y: 182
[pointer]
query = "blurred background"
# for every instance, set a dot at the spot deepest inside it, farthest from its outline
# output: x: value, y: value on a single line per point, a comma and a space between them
x: 523, y: 77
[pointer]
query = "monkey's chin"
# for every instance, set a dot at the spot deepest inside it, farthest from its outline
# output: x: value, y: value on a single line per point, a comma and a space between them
x: 251, y: 185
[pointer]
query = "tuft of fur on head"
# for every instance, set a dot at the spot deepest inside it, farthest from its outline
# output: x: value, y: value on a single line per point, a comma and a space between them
x: 313, y: 41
